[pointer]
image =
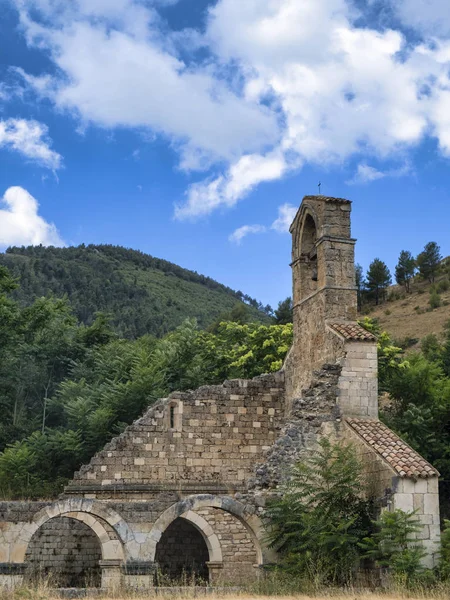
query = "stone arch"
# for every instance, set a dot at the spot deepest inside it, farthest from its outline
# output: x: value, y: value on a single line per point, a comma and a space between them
x: 305, y: 260
x: 186, y: 509
x: 92, y: 513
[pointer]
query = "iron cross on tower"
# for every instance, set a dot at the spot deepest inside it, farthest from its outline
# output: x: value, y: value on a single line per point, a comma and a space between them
x: 319, y: 187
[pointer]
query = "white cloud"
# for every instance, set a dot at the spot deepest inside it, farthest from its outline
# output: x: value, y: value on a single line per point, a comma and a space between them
x: 29, y: 138
x: 430, y: 17
x: 286, y: 214
x: 20, y: 223
x: 366, y: 174
x: 227, y: 189
x: 285, y: 83
x: 239, y: 234
x: 119, y: 71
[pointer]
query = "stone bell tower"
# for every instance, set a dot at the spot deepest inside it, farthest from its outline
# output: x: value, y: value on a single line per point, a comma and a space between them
x: 324, y: 307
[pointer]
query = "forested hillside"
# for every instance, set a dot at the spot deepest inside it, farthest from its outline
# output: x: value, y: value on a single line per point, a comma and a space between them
x: 142, y: 294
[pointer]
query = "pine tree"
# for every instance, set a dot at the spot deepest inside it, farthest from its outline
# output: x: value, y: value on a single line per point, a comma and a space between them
x: 429, y: 260
x: 378, y: 278
x: 360, y: 283
x: 283, y: 313
x: 405, y: 269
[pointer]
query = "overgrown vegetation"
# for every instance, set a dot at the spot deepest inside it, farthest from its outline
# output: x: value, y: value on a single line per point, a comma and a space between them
x: 141, y: 294
x: 322, y: 524
x: 67, y: 388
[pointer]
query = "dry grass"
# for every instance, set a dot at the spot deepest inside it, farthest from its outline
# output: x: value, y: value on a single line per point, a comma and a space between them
x: 41, y: 593
x: 405, y: 321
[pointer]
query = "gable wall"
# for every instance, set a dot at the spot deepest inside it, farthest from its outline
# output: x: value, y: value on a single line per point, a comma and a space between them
x: 220, y: 433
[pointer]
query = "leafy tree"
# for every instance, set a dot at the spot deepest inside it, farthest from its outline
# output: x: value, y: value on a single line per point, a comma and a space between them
x: 283, y: 313
x: 394, y: 544
x: 378, y: 279
x: 405, y: 269
x: 319, y: 518
x: 428, y: 261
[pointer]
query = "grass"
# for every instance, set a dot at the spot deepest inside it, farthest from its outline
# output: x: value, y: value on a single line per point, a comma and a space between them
x: 410, y: 315
x: 44, y: 593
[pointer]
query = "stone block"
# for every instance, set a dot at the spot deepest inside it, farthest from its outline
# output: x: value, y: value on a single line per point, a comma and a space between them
x: 431, y: 504
x: 404, y: 502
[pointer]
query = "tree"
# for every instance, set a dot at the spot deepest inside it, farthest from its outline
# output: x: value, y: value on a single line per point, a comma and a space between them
x: 320, y: 516
x: 378, y: 279
x: 405, y: 269
x: 283, y: 313
x: 429, y: 260
x: 394, y: 544
x: 360, y: 283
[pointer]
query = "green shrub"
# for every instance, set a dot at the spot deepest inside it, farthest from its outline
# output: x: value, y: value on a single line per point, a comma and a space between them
x: 444, y: 565
x: 443, y: 285
x: 434, y: 301
x: 394, y: 545
x: 387, y: 312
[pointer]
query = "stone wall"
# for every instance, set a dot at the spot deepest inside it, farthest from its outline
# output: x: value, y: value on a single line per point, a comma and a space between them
x: 66, y: 550
x: 240, y: 560
x: 358, y: 383
x: 422, y: 496
x: 221, y: 433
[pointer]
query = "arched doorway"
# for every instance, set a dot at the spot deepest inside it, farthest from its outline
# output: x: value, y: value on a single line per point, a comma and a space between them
x: 182, y: 555
x: 65, y: 553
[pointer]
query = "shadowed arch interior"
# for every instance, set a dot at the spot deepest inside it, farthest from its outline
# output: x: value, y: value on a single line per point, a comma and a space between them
x: 65, y: 551
x: 308, y: 257
x: 182, y: 554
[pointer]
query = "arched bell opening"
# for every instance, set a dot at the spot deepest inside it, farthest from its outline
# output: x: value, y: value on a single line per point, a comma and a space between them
x: 307, y: 263
x: 64, y: 553
x: 182, y: 555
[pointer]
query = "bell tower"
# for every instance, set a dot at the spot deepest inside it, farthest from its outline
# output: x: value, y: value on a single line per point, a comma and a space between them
x: 324, y: 308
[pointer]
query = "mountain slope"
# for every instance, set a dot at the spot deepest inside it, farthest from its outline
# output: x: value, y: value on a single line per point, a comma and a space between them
x: 142, y: 294
x: 410, y: 316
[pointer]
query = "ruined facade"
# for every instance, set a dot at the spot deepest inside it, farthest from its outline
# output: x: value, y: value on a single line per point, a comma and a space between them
x: 180, y: 494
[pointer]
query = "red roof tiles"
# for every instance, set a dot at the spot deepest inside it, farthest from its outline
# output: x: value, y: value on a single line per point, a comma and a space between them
x: 405, y: 461
x: 353, y: 331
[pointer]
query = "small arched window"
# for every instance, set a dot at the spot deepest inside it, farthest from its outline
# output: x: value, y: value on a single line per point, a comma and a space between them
x: 175, y: 415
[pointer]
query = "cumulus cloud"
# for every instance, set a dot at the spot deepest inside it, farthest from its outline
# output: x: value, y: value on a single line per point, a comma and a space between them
x: 20, y: 222
x: 29, y: 138
x: 278, y: 84
x: 239, y: 234
x: 366, y: 174
x: 286, y: 214
x: 119, y: 71
x: 430, y: 17
x: 227, y: 189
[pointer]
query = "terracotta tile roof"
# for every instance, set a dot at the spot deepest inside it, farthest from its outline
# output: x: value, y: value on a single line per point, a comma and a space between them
x: 405, y: 461
x: 353, y: 331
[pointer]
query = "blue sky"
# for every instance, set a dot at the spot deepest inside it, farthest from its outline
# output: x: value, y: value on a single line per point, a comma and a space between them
x: 192, y: 129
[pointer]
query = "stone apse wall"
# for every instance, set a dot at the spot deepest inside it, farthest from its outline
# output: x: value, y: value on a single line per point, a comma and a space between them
x: 180, y: 495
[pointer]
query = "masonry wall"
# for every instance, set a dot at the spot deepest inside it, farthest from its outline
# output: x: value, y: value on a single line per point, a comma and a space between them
x: 68, y: 551
x: 214, y: 434
x: 358, y: 383
x: 422, y: 496
x: 238, y: 549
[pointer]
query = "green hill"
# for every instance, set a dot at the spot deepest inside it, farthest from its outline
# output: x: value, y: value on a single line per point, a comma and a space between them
x: 142, y: 294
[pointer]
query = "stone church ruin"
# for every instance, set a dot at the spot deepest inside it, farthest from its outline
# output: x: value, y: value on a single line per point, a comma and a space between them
x: 181, y: 492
